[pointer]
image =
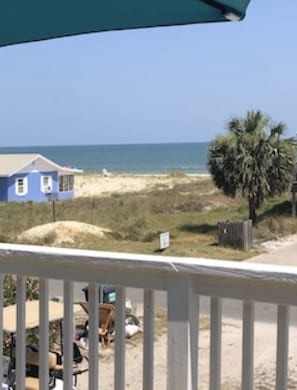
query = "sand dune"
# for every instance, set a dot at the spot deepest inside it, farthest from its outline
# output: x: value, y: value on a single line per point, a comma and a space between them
x: 97, y: 185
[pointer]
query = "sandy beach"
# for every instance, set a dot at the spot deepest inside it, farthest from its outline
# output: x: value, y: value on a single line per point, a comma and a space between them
x: 100, y: 185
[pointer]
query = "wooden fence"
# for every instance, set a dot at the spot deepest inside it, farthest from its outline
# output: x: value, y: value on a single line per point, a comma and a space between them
x: 235, y: 234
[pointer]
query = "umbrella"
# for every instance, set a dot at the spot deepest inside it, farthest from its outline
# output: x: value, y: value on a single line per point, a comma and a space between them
x: 56, y: 313
x: 34, y: 20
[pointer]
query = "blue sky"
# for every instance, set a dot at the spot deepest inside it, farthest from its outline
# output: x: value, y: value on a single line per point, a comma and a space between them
x: 174, y: 84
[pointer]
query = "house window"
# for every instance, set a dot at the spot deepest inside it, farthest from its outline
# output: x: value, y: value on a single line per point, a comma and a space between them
x: 46, y: 183
x: 66, y: 183
x: 21, y: 186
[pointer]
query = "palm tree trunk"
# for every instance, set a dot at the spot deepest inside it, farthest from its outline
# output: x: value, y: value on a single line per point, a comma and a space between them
x: 252, y: 209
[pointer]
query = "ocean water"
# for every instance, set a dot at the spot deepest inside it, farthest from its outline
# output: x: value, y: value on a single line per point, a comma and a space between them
x: 136, y: 158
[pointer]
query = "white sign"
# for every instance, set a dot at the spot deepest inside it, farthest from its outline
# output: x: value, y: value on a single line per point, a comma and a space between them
x: 164, y: 240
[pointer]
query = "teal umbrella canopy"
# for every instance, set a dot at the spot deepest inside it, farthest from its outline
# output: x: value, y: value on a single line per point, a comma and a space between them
x: 34, y: 20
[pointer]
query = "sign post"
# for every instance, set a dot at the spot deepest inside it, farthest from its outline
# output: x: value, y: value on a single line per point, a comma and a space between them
x: 53, y: 197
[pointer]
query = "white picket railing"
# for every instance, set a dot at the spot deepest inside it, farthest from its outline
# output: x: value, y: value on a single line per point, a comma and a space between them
x: 184, y: 279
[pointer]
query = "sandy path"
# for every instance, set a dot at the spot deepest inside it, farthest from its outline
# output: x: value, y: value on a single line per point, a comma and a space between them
x: 265, y: 349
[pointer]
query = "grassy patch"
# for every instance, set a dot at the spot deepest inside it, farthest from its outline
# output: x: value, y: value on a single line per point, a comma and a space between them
x: 190, y: 212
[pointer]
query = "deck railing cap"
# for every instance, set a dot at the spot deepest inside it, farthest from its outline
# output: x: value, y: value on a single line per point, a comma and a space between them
x: 139, y: 261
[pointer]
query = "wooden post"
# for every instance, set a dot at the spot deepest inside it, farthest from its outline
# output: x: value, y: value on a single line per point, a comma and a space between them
x: 53, y: 197
x: 54, y: 211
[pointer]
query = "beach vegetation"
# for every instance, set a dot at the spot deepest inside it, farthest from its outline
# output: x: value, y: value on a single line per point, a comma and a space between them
x: 253, y: 158
x: 189, y: 212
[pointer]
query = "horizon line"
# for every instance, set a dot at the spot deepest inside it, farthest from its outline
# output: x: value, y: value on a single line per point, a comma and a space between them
x: 123, y: 144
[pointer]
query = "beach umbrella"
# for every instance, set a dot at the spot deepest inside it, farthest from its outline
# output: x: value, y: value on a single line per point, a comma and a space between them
x: 34, y: 20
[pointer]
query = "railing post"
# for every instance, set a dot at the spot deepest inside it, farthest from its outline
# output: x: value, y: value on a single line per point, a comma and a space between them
x: 182, y: 349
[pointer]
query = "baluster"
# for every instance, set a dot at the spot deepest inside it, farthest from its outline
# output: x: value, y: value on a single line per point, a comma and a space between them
x: 93, y: 336
x: 215, y: 343
x: 248, y: 320
x: 21, y: 333
x: 282, y: 347
x: 68, y: 335
x: 148, y: 340
x: 120, y: 339
x: 43, y: 335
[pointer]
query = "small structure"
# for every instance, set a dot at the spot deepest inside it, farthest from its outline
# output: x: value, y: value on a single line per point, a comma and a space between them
x: 235, y: 234
x: 32, y: 177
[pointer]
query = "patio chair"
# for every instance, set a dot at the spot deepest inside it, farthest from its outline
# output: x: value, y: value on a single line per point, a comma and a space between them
x: 106, y: 313
x: 80, y: 365
x: 32, y: 368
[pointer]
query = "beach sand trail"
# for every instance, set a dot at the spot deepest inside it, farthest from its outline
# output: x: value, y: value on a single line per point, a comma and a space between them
x: 265, y: 353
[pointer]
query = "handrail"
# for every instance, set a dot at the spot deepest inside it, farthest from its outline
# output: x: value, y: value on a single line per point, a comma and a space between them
x: 184, y: 280
x: 227, y: 279
x: 39, y: 256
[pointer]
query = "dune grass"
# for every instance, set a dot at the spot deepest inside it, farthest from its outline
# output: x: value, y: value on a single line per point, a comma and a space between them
x: 190, y: 212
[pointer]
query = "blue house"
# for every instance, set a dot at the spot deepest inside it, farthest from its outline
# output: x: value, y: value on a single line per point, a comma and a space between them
x: 32, y: 177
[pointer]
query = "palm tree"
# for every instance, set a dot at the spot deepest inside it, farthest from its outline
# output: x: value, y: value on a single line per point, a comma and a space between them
x: 254, y: 158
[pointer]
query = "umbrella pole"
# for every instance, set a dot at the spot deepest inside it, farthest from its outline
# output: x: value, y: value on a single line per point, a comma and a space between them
x: 11, y: 346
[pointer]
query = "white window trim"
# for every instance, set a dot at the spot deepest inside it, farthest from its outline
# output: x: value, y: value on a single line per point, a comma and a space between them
x: 25, y: 185
x: 49, y: 186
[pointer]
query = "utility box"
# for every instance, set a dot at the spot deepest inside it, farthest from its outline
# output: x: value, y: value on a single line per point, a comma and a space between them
x: 236, y: 235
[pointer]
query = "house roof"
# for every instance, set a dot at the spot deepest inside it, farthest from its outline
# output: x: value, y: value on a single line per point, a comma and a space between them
x: 23, y: 21
x: 14, y: 163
